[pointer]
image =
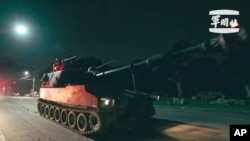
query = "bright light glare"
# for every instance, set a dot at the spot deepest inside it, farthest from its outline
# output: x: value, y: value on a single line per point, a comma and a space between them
x: 21, y: 29
x: 26, y: 73
x: 106, y: 102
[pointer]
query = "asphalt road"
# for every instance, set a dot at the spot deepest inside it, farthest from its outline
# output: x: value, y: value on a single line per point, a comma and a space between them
x: 20, y: 121
x: 220, y: 119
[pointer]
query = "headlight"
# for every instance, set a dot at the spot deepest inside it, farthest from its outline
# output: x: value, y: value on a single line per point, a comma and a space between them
x: 155, y: 97
x: 105, y: 101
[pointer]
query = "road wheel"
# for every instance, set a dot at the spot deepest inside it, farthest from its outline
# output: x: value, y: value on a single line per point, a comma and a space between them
x: 57, y: 115
x: 47, y: 111
x: 71, y: 119
x: 94, y: 121
x: 41, y: 109
x: 52, y: 113
x: 64, y: 117
x: 81, y: 123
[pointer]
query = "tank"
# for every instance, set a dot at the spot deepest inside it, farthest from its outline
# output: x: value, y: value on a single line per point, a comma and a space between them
x: 81, y: 101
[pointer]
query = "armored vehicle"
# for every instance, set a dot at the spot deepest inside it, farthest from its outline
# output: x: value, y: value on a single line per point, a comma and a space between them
x: 82, y: 102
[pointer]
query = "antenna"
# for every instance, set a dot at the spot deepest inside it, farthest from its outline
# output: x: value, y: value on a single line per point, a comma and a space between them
x: 105, y: 64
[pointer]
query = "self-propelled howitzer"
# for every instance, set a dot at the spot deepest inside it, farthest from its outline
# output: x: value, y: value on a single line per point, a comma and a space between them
x: 80, y: 101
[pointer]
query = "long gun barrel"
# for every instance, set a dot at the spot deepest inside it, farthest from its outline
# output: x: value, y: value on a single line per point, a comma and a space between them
x: 159, y: 58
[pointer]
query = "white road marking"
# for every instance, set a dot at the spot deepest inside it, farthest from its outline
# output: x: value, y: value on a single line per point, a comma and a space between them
x: 2, y: 137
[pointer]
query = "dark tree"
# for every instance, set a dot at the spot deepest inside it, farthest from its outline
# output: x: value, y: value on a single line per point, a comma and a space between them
x: 203, y: 74
x: 236, y: 70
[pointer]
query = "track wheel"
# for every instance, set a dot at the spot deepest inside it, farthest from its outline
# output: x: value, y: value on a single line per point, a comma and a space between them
x: 41, y: 109
x: 47, y: 111
x: 81, y: 123
x: 57, y: 115
x: 51, y: 112
x: 71, y: 119
x: 64, y: 116
x: 94, y: 121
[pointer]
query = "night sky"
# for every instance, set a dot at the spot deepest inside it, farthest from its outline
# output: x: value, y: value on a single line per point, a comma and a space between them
x: 109, y: 30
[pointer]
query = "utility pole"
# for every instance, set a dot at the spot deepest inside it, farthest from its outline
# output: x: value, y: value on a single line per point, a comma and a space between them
x: 33, y: 81
x: 33, y: 84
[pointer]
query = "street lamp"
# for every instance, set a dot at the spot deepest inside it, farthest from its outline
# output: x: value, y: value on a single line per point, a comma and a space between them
x: 26, y: 73
x: 21, y: 29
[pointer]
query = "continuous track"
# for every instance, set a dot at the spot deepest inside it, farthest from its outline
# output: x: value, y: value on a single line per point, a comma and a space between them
x: 81, y: 120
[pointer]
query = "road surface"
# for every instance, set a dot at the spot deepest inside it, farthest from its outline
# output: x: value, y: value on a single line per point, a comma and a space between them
x: 20, y: 121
